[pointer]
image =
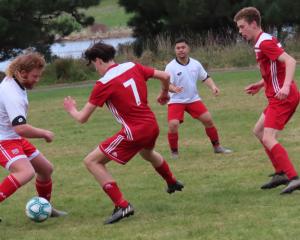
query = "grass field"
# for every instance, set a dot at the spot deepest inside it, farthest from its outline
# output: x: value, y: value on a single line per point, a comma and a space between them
x: 108, y: 12
x: 222, y: 197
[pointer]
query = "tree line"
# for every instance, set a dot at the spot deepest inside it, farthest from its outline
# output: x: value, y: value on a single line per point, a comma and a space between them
x: 35, y: 23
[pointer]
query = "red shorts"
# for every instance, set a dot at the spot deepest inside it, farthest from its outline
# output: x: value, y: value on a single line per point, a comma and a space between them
x: 279, y: 112
x: 13, y: 150
x: 176, y: 110
x: 121, y: 149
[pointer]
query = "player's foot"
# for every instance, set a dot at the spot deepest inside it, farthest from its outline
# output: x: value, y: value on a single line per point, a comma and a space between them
x: 220, y: 149
x: 57, y: 213
x: 292, y: 186
x: 120, y: 213
x: 276, y: 180
x: 174, y: 154
x: 177, y: 186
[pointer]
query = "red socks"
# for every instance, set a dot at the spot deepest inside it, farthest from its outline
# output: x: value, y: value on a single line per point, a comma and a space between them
x: 8, y: 186
x: 166, y: 173
x: 173, y: 141
x: 212, y: 133
x: 283, y: 161
x: 44, y: 188
x: 113, y: 191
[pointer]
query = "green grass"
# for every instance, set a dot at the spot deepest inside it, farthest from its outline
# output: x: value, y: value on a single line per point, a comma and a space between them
x: 109, y: 12
x: 221, y: 199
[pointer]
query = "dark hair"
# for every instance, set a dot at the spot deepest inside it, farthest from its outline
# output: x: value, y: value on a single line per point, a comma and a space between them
x: 100, y: 50
x: 249, y: 14
x: 181, y: 40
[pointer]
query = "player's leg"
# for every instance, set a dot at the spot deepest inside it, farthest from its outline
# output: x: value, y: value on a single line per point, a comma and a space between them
x: 43, y: 182
x: 21, y: 172
x: 175, y: 117
x: 276, y: 117
x: 162, y: 168
x: 199, y: 111
x: 96, y: 162
x: 173, y: 126
x: 278, y: 178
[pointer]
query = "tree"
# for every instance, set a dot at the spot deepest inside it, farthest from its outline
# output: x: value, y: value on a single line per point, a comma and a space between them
x: 34, y: 23
x: 200, y: 17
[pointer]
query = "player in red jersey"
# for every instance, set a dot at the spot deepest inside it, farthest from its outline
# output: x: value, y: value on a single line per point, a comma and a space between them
x: 123, y: 89
x: 17, y: 154
x: 277, y: 70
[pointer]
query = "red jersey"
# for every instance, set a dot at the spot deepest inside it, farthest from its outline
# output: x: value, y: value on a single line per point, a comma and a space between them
x: 267, y: 50
x: 123, y: 88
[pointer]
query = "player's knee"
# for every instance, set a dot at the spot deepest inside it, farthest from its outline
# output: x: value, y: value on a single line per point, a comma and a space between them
x: 88, y: 162
x: 257, y: 133
x: 173, y: 126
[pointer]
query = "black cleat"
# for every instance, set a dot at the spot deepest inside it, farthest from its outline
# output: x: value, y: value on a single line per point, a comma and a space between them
x: 291, y: 187
x: 177, y: 186
x: 120, y: 213
x: 276, y: 180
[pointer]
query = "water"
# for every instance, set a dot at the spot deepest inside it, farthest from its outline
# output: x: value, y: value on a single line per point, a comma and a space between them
x: 76, y: 48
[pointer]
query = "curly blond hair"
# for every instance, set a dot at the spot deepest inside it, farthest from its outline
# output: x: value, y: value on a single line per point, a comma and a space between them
x: 26, y: 62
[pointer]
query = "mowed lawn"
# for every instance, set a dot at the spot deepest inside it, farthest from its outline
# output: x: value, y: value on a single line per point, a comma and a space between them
x: 221, y: 199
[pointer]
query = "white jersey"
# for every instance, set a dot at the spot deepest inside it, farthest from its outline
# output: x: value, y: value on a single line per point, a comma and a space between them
x: 186, y: 76
x: 13, y: 104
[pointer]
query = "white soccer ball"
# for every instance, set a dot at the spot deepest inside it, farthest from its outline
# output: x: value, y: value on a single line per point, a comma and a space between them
x: 38, y: 209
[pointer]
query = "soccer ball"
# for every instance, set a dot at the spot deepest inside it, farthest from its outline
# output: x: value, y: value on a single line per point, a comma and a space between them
x: 38, y: 209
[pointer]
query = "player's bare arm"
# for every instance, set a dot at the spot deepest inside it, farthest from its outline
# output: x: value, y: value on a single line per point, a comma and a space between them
x: 254, y: 87
x: 164, y: 77
x: 28, y: 131
x: 211, y: 84
x: 80, y: 116
x: 290, y: 64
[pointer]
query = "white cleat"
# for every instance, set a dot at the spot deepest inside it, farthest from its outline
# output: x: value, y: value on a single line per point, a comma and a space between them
x: 221, y: 149
x: 58, y: 213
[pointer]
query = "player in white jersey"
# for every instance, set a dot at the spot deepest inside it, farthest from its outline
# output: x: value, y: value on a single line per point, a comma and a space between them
x: 17, y: 154
x: 185, y: 73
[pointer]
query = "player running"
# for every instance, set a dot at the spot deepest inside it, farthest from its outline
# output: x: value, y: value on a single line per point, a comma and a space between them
x: 124, y: 91
x: 277, y: 70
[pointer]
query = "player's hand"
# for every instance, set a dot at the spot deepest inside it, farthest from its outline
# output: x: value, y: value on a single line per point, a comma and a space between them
x: 283, y: 93
x: 215, y: 90
x: 252, y: 89
x: 163, y: 97
x: 176, y: 89
x: 69, y: 103
x: 48, y: 136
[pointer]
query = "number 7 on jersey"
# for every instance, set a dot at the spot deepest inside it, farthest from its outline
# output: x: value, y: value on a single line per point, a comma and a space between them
x: 132, y: 84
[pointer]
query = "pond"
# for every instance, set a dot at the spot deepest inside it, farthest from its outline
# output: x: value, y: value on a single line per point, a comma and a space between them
x: 76, y: 48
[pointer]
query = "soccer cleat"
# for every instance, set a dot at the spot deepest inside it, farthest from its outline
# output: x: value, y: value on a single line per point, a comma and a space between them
x: 276, y: 180
x: 174, y: 154
x: 177, y: 186
x: 120, y: 213
x: 58, y: 213
x: 292, y: 186
x: 220, y: 149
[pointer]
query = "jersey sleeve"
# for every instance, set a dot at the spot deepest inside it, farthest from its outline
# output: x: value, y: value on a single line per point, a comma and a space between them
x: 16, y: 109
x: 202, y: 74
x: 147, y: 72
x: 99, y: 94
x: 271, y: 49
